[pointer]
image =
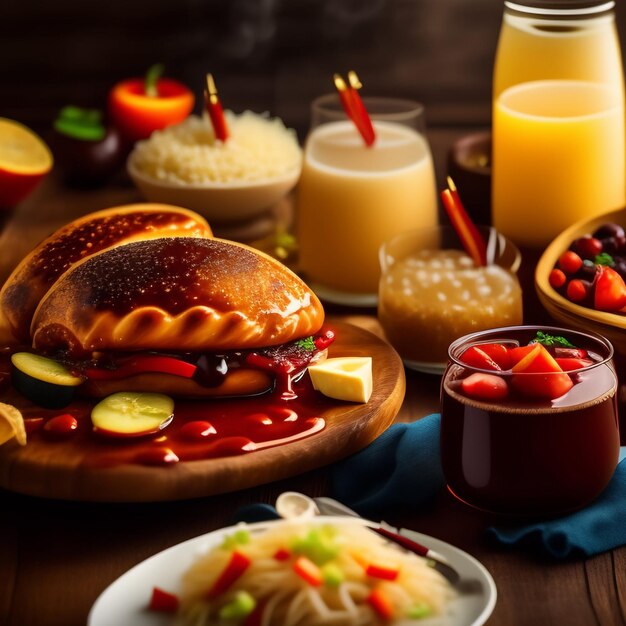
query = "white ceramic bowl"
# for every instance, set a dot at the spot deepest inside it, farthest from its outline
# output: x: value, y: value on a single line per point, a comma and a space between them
x: 219, y: 202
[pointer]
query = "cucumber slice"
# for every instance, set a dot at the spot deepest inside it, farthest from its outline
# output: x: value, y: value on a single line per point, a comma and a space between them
x: 132, y: 414
x: 45, y: 382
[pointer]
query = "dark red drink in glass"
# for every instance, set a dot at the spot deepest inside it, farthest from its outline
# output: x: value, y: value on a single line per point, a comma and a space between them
x: 529, y: 428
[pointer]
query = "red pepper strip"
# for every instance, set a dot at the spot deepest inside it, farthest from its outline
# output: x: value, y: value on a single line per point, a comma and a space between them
x: 382, y: 571
x: 308, y: 571
x: 366, y: 128
x: 381, y: 603
x: 254, y: 359
x: 282, y: 554
x: 163, y: 601
x: 466, y: 230
x: 355, y: 110
x: 237, y: 565
x: 144, y: 364
x: 323, y: 341
x: 214, y: 109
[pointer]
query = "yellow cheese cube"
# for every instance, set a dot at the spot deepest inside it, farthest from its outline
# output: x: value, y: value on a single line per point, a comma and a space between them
x: 344, y: 378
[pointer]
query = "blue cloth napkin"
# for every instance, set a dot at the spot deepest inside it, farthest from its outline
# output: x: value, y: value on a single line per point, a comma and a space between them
x: 599, y: 527
x: 402, y: 468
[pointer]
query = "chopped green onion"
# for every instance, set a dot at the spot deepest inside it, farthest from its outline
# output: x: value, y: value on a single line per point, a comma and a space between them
x: 419, y: 611
x: 317, y: 545
x: 241, y: 606
x: 238, y: 538
x: 306, y: 344
x: 332, y: 575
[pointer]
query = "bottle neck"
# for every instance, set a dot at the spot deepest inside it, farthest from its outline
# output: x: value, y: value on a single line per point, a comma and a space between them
x: 567, y: 9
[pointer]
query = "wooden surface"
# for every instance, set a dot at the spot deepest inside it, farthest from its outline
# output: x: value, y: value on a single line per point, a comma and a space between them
x: 56, y: 557
x: 67, y: 470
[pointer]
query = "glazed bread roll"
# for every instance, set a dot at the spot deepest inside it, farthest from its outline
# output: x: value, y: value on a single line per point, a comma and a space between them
x: 78, y: 240
x: 175, y: 295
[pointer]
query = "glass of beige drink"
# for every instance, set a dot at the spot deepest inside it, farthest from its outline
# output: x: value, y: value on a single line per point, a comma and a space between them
x: 352, y: 198
x: 432, y: 293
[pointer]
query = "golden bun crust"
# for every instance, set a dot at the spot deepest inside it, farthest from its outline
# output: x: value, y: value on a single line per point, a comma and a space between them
x: 78, y: 240
x: 239, y: 382
x: 175, y: 294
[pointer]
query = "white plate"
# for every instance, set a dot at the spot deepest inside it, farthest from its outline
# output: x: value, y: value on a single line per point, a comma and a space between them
x: 124, y: 602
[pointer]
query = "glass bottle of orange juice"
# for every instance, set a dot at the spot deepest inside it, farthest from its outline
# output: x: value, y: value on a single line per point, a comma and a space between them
x: 558, y: 118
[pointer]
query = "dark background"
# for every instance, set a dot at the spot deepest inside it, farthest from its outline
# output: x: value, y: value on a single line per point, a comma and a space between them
x: 273, y: 55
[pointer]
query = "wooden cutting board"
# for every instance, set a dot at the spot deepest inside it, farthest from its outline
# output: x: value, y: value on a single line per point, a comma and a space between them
x: 64, y: 470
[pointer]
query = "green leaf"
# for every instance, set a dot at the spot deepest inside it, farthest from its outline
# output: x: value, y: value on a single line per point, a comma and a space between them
x: 605, y: 259
x: 552, y: 340
x: 306, y: 344
x: 81, y: 124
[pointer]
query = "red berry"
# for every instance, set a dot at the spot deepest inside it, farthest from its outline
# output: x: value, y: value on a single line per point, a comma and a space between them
x: 576, y: 291
x: 570, y: 262
x: 61, y: 426
x: 557, y: 278
x: 588, y: 247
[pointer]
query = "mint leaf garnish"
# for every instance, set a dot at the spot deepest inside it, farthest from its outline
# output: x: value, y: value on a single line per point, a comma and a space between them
x: 552, y: 340
x: 605, y: 259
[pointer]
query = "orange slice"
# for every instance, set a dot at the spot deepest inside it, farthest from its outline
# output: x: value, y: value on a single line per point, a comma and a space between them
x: 21, y: 150
x: 11, y: 424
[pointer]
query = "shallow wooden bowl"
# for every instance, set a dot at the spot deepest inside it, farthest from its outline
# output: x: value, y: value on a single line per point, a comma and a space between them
x: 610, y: 325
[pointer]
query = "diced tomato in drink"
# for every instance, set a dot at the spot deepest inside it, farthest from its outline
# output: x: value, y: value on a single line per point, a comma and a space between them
x: 517, y: 354
x: 485, y: 387
x: 540, y: 376
x: 568, y: 364
x: 499, y: 353
x: 477, y: 357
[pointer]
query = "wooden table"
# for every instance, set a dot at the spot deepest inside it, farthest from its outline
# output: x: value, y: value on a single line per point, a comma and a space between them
x: 57, y: 557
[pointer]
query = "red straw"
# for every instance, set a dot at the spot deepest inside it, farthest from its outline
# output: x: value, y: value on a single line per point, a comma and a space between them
x: 361, y: 112
x: 354, y: 107
x: 214, y: 109
x: 469, y: 235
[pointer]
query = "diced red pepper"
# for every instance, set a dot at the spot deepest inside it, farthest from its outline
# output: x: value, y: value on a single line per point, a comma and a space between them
x: 163, y: 601
x: 143, y: 364
x: 381, y: 603
x: 237, y: 565
x: 385, y: 572
x: 477, y: 357
x: 610, y: 293
x: 282, y: 554
x: 308, y: 571
x: 485, y: 387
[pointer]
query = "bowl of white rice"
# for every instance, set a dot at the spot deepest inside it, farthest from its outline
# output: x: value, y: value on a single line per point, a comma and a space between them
x: 229, y: 181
